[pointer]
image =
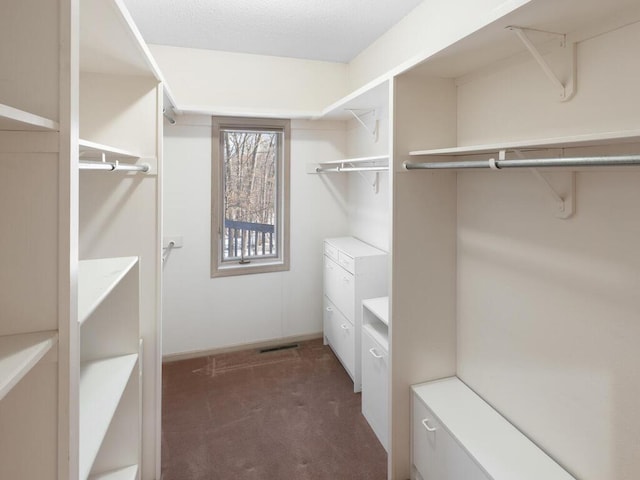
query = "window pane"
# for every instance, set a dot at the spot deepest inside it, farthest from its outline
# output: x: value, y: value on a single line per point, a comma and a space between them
x: 250, y: 204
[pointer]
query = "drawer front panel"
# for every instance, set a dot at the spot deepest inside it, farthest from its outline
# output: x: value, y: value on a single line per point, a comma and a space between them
x: 436, y: 454
x: 339, y: 286
x: 347, y: 262
x: 331, y: 251
x: 340, y: 335
x: 375, y: 371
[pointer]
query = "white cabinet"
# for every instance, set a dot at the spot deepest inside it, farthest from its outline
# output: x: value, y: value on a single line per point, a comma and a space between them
x: 353, y: 271
x: 457, y: 435
x: 375, y: 366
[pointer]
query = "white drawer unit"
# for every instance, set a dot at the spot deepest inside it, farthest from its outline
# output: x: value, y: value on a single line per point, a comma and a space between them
x: 375, y: 366
x: 340, y: 334
x: 457, y: 435
x: 353, y: 271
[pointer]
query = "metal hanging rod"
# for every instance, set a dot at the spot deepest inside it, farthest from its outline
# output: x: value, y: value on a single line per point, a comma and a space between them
x: 492, y: 163
x: 114, y: 166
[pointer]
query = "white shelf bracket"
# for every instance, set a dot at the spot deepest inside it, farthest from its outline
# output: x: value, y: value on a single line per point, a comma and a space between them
x: 358, y: 113
x: 566, y: 90
x: 565, y: 206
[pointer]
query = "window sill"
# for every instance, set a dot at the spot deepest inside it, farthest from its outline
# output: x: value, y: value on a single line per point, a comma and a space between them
x: 234, y: 269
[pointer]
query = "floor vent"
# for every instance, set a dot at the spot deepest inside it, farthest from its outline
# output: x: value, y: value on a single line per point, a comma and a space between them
x: 279, y: 347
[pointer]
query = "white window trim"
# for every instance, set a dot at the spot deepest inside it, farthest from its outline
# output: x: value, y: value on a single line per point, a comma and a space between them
x: 224, y: 269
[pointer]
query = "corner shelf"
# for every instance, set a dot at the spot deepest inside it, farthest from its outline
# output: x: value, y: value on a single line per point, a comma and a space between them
x: 127, y: 473
x: 13, y: 119
x: 19, y: 354
x: 102, y: 384
x: 96, y: 279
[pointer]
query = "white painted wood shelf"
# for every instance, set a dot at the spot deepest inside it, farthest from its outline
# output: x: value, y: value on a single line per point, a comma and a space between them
x: 379, y: 307
x: 127, y: 473
x: 92, y: 150
x: 19, y: 354
x: 102, y: 384
x: 378, y: 158
x: 96, y: 279
x: 19, y: 120
x: 574, y: 141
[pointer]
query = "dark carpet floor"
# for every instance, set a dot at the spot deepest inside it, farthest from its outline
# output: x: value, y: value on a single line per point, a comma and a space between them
x: 283, y: 415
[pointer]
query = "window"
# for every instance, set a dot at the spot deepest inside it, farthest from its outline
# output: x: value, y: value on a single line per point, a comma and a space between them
x: 249, y: 196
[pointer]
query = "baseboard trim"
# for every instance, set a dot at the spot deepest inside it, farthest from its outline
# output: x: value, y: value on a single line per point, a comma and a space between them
x: 175, y: 357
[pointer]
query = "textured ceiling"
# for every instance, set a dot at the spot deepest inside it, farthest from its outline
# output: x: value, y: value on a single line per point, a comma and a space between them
x: 331, y: 30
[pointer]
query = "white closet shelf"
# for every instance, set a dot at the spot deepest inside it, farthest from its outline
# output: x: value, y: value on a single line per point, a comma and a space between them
x: 379, y: 307
x: 93, y: 150
x: 19, y: 354
x: 127, y: 473
x: 575, y: 141
x: 111, y: 43
x: 97, y: 278
x: 374, y: 95
x: 374, y: 159
x: 19, y: 120
x: 102, y: 384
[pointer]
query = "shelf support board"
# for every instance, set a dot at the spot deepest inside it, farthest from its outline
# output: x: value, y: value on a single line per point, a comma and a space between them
x: 567, y: 90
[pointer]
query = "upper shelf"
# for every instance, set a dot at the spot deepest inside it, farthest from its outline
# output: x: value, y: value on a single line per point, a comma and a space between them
x: 97, y: 278
x: 579, y: 19
x: 590, y: 140
x: 111, y: 43
x: 19, y: 120
x: 371, y: 96
x: 19, y: 354
x: 379, y: 307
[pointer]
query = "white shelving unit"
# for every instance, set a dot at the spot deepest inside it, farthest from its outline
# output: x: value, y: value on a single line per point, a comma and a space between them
x: 108, y: 312
x: 19, y: 354
x: 478, y: 98
x: 57, y: 108
x: 102, y: 384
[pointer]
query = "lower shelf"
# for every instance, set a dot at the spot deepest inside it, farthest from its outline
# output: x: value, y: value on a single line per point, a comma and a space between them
x: 127, y: 473
x: 19, y: 354
x: 102, y: 384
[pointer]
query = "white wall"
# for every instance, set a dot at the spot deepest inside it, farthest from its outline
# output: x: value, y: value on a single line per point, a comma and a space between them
x: 369, y: 207
x: 243, y: 84
x: 548, y: 309
x: 201, y: 313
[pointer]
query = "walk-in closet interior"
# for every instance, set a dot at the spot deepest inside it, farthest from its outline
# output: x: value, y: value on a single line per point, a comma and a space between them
x: 464, y: 215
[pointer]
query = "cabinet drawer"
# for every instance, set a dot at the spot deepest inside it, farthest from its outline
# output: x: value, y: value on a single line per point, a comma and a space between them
x: 375, y: 371
x: 436, y: 455
x: 339, y: 287
x: 340, y: 336
x: 331, y: 251
x: 347, y: 262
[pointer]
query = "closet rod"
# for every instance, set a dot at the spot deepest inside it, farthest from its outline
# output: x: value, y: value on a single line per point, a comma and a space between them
x: 114, y: 167
x: 530, y: 163
x: 351, y: 169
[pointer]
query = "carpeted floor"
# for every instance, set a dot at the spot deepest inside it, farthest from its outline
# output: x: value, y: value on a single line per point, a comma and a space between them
x: 282, y: 415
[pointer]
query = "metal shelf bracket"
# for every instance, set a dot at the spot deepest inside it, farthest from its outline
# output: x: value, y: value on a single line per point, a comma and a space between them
x: 566, y: 90
x: 565, y: 205
x: 358, y: 113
